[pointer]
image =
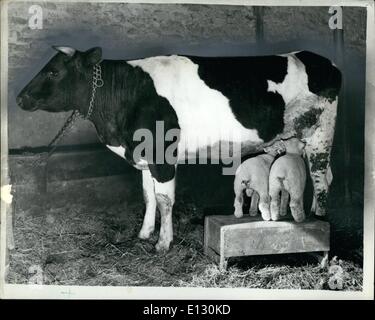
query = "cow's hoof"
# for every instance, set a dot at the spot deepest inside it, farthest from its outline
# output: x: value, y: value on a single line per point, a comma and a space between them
x: 162, y: 247
x: 145, y: 234
x: 320, y: 212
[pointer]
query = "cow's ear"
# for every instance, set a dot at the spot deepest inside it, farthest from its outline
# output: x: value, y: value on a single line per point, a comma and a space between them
x: 93, y: 56
x: 69, y: 51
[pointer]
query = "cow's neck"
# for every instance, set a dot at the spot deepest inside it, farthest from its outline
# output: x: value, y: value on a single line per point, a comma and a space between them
x: 110, y: 95
x: 110, y: 101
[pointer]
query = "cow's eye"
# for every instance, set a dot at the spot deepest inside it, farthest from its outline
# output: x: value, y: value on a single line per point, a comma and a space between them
x: 53, y: 74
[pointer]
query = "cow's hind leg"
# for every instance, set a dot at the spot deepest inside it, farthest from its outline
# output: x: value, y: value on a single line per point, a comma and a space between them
x: 148, y: 225
x: 329, y: 178
x: 318, y: 157
x: 164, y: 181
x: 318, y: 150
x: 320, y: 191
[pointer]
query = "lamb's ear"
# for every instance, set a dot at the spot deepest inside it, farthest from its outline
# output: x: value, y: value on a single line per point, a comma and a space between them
x: 271, y: 151
x: 267, y: 150
x: 69, y: 51
x: 93, y: 56
x: 276, y: 148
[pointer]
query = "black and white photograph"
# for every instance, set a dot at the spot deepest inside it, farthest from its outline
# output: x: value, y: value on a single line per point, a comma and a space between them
x: 187, y: 149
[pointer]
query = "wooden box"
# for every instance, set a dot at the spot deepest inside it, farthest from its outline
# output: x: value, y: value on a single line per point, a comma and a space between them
x: 226, y: 236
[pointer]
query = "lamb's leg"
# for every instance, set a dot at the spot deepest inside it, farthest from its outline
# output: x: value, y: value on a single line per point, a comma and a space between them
x: 249, y: 192
x: 284, y: 203
x: 264, y: 204
x: 296, y: 207
x: 254, y: 203
x: 238, y: 199
x: 274, y: 191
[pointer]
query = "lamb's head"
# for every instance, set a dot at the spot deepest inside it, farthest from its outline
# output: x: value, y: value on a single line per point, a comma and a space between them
x: 294, y: 146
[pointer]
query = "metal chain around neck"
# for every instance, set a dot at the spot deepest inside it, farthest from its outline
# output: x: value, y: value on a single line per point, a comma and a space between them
x: 97, y: 82
x: 43, y: 158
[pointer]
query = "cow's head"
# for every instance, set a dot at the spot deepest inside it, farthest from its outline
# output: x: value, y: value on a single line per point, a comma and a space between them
x: 64, y: 82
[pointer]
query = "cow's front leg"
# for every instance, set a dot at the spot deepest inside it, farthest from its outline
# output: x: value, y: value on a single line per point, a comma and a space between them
x: 164, y: 182
x: 148, y: 225
x: 165, y: 193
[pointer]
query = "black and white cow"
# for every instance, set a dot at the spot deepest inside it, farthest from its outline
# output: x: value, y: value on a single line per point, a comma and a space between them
x: 263, y: 98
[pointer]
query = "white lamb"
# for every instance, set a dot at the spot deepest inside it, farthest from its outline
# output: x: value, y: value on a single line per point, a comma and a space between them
x: 252, y: 176
x: 288, y: 178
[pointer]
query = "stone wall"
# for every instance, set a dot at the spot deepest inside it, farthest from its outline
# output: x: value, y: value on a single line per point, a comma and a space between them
x: 127, y: 31
x: 284, y: 24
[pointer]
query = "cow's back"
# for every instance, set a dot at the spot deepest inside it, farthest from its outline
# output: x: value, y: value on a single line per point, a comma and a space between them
x: 235, y: 98
x: 205, y: 114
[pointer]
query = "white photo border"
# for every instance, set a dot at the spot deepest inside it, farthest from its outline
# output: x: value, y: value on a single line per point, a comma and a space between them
x: 18, y: 291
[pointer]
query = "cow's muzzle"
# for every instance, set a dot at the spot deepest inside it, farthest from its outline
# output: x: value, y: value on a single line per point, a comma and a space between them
x: 26, y: 103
